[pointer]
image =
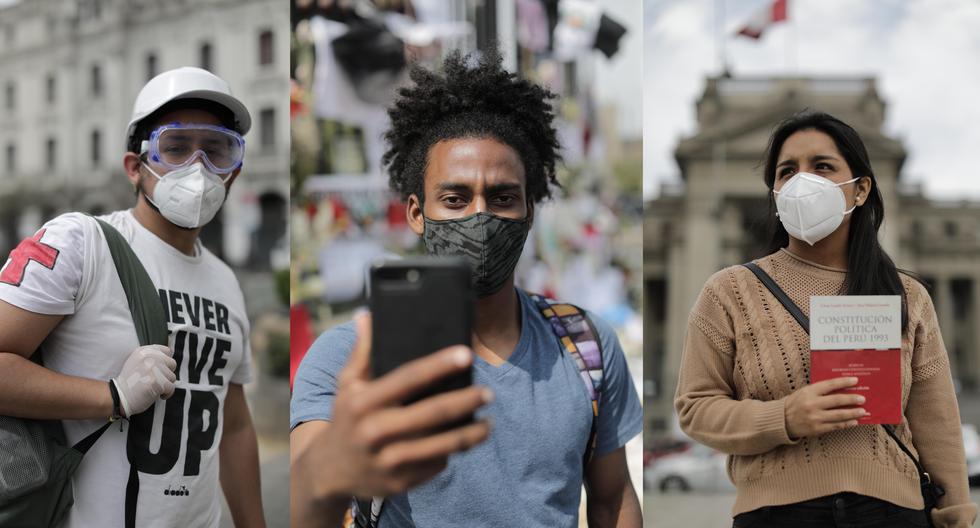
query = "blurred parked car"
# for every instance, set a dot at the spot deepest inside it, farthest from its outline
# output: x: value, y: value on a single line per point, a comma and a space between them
x: 700, y: 468
x: 971, y: 445
x: 660, y: 447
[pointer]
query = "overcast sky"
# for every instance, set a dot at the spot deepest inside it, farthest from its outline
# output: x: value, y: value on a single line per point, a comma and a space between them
x: 925, y: 54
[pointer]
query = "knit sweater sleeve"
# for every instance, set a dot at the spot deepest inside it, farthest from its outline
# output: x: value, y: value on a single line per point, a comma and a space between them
x: 934, y: 418
x: 705, y: 401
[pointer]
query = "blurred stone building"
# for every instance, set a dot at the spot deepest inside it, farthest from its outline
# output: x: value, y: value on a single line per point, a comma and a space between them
x: 717, y: 217
x: 69, y: 72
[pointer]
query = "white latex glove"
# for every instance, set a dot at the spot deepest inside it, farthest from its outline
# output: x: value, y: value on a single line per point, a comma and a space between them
x: 148, y: 374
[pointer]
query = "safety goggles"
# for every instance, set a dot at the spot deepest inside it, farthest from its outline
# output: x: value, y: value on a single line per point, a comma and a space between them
x: 177, y: 145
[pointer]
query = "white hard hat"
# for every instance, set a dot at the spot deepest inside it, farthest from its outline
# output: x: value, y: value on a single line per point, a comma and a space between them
x: 186, y: 83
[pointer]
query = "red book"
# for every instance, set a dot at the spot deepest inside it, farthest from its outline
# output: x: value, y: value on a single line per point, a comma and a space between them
x: 860, y: 336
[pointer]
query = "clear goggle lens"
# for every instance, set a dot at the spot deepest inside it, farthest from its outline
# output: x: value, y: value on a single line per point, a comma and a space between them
x: 176, y: 145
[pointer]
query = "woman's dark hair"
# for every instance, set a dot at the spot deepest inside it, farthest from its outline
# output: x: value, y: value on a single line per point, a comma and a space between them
x: 480, y: 100
x: 870, y: 271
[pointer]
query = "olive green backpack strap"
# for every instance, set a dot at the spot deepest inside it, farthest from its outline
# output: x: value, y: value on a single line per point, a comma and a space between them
x: 148, y: 317
x: 141, y: 294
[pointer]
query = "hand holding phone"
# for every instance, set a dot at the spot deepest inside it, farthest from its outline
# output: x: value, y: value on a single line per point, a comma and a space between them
x: 377, y: 446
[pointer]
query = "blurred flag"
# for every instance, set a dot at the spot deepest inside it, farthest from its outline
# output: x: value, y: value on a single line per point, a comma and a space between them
x: 774, y: 11
x: 582, y: 27
x: 608, y: 35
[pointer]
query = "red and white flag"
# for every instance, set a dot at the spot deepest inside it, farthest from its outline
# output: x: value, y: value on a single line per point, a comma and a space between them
x: 774, y: 11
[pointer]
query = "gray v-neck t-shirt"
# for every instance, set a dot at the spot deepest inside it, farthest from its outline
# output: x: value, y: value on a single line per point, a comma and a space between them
x: 529, y: 472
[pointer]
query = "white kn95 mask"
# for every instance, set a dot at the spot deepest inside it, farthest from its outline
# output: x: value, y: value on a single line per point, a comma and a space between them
x: 811, y: 207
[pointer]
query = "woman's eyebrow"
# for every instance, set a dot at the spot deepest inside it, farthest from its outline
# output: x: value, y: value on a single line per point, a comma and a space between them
x: 816, y: 157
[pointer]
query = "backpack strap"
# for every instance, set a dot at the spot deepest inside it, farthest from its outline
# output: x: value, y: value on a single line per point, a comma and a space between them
x: 144, y: 301
x: 148, y: 318
x: 363, y: 513
x: 580, y: 339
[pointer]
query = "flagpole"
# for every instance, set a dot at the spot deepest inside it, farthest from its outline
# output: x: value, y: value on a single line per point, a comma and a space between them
x: 792, y: 52
x: 720, y: 36
x: 796, y: 40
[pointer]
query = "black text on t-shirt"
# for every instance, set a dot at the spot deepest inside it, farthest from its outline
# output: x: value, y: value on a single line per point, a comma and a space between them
x: 200, y: 344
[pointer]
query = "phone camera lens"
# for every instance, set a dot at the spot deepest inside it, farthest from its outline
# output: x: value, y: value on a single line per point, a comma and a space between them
x: 412, y: 275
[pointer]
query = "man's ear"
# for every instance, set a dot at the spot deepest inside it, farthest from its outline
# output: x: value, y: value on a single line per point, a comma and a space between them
x: 131, y: 164
x: 413, y: 212
x: 231, y: 179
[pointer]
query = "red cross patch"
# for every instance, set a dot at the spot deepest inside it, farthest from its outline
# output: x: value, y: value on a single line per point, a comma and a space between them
x: 29, y: 249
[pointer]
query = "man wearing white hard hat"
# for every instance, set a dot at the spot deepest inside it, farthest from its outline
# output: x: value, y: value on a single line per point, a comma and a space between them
x: 183, y: 404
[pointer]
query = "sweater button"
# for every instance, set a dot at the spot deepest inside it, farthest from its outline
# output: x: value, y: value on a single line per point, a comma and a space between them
x: 839, y: 503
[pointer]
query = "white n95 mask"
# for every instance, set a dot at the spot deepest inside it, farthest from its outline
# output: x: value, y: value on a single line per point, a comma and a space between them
x: 811, y: 207
x: 189, y: 196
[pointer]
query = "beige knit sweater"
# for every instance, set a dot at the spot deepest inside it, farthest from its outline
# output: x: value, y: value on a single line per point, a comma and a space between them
x: 744, y: 354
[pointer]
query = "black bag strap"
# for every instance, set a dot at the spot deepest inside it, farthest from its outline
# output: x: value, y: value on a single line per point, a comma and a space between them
x: 148, y: 318
x: 923, y: 475
x: 86, y: 443
x: 781, y: 296
x: 930, y: 491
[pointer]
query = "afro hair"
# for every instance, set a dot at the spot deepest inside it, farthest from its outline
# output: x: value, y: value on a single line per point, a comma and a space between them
x: 471, y: 99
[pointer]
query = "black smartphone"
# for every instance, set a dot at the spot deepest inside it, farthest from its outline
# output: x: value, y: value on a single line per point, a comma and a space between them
x: 418, y: 306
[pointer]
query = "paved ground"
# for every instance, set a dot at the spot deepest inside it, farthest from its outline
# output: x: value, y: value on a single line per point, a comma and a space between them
x: 677, y: 510
x: 268, y: 399
x: 274, y: 460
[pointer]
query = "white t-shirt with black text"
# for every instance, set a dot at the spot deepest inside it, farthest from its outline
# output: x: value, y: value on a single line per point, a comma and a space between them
x: 66, y: 269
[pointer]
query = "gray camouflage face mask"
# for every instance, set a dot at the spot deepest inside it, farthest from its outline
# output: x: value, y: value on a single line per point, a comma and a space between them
x: 491, y: 245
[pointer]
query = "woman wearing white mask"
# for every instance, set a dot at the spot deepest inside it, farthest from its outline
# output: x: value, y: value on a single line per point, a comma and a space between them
x: 797, y: 454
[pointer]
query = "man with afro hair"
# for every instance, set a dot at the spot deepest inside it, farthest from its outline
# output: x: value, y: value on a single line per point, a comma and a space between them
x: 472, y: 152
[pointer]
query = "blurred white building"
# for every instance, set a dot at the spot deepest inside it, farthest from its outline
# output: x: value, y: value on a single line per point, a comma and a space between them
x: 69, y: 72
